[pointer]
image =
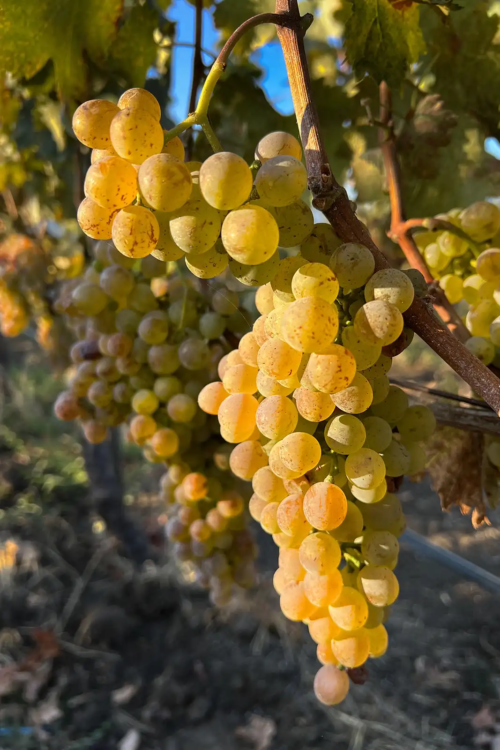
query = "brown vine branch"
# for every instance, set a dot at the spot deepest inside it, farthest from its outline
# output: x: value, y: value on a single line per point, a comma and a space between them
x: 399, y: 231
x: 333, y: 200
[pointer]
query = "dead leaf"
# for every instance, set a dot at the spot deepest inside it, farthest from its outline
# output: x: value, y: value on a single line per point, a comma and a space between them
x: 131, y: 741
x: 124, y: 694
x: 259, y: 730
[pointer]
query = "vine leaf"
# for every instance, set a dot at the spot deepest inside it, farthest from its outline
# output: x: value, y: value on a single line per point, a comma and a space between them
x: 33, y: 32
x: 134, y: 50
x: 383, y: 40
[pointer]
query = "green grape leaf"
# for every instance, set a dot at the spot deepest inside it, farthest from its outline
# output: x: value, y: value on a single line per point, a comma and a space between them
x: 134, y: 50
x: 64, y: 31
x: 383, y: 39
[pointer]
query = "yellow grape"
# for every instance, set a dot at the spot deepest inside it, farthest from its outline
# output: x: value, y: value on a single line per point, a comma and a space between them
x: 352, y: 648
x: 246, y: 459
x: 322, y: 590
x: 294, y: 603
x: 276, y: 416
x: 248, y: 349
x: 278, y: 360
x: 481, y: 348
x: 300, y: 452
x: 295, y: 223
x: 240, y: 379
x: 135, y: 231
x: 209, y: 264
x: 281, y: 180
x: 379, y: 585
x: 488, y: 264
x: 331, y: 685
x: 325, y: 506
x: 396, y: 459
x: 378, y: 433
x: 345, y: 434
x: 325, y: 654
x: 313, y: 405
x: 175, y: 147
x: 95, y: 221
x: 393, y: 407
x: 195, y: 227
x: 310, y: 324
x: 353, y: 265
x: 225, y: 180
x: 319, y: 553
x: 145, y: 402
x: 140, y: 99
x: 351, y: 527
x: 165, y: 442
x: 278, y: 467
x: 237, y: 417
x: 136, y: 135
x: 417, y: 423
x: 165, y: 182
x: 95, y: 432
x: 92, y: 121
x: 181, y: 408
x: 270, y: 387
x: 379, y: 641
x: 364, y: 353
x: 282, y: 282
x: 278, y: 143
x: 268, y: 486
x: 481, y: 220
x: 453, y: 287
x: 370, y: 496
x: 321, y: 244
x: 365, y: 469
x: 378, y: 322
x: 321, y: 626
x: 290, y: 516
x: 211, y: 397
x: 332, y: 370
x: 111, y: 183
x: 350, y: 610
x: 256, y: 505
x: 390, y: 285
x: 315, y: 280
x: 279, y: 582
x: 142, y: 427
x: 256, y: 275
x: 166, y: 249
x: 250, y: 234
x: 356, y: 398
x: 195, y: 486
x: 89, y: 299
x: 268, y: 518
x: 289, y: 563
x: 380, y: 548
x: 264, y: 299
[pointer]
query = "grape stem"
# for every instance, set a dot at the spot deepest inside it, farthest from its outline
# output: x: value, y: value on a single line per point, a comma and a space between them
x: 332, y: 199
x: 399, y: 229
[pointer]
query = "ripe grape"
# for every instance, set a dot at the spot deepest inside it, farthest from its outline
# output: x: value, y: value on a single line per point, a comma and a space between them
x: 481, y: 220
x: 315, y: 280
x: 293, y: 602
x: 181, y: 408
x: 165, y: 182
x: 142, y: 427
x: 392, y: 286
x: 378, y: 433
x: 95, y: 221
x: 384, y: 514
x: 111, y: 183
x: 195, y: 226
x: 89, y: 299
x: 175, y: 147
x: 488, y: 264
x: 295, y: 223
x: 351, y: 527
x: 453, y: 287
x: 95, y: 432
x: 136, y: 135
x: 145, y: 402
x: 282, y: 282
x: 91, y: 122
x: 417, y: 423
x: 225, y: 180
x: 250, y: 235
x: 356, y: 398
x: 331, y: 685
x: 300, y: 452
x: 278, y: 360
x: 237, y: 417
x: 210, y: 264
x: 313, y: 405
x: 281, y: 180
x: 268, y: 518
x: 278, y: 143
x: 353, y: 265
x: 365, y: 469
x: 379, y: 641
x: 309, y: 324
x: 396, y: 459
x: 276, y: 417
x: 379, y: 548
x: 352, y: 648
x: 319, y: 553
x: 268, y: 486
x: 350, y: 610
x: 321, y: 626
x: 394, y: 406
x: 325, y: 506
x: 194, y: 354
x: 256, y: 275
x: 165, y: 442
x: 332, y: 370
x: 140, y: 99
x: 345, y: 434
x: 246, y: 459
x: 117, y: 282
x: 378, y: 322
x: 322, y: 590
x: 135, y: 231
x: 240, y: 379
x: 290, y: 516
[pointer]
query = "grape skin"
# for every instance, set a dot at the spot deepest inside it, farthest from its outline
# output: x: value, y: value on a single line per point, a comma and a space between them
x: 281, y: 180
x: 278, y: 143
x: 136, y: 135
x: 225, y: 180
x: 140, y: 99
x: 378, y: 322
x: 165, y: 182
x: 91, y: 123
x: 111, y: 183
x: 250, y: 235
x: 94, y: 220
x: 135, y: 231
x: 195, y: 226
x: 309, y: 324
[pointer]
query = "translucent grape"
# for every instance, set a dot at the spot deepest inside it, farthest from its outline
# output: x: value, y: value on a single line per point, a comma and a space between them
x: 364, y: 353
x: 250, y: 235
x: 136, y: 135
x: 481, y: 220
x: 320, y: 553
x: 353, y: 265
x: 325, y: 654
x: 211, y: 325
x: 169, y: 386
x: 140, y: 99
x: 365, y: 469
x: 290, y: 516
x: 321, y: 244
x: 181, y: 408
x: 252, y: 275
x: 294, y: 603
x: 91, y: 122
x: 282, y: 282
x: 384, y: 514
x: 322, y: 590
x: 153, y: 328
x: 256, y: 505
x: 117, y: 282
x: 276, y: 417
x: 165, y: 442
x: 481, y: 348
x: 352, y: 648
x: 345, y: 434
x: 380, y: 388
x: 380, y: 548
x: 300, y: 452
x: 165, y: 182
x: 210, y: 264
x: 278, y: 143
x: 119, y: 345
x: 237, y: 417
x: 378, y: 433
x: 488, y: 264
x: 248, y: 349
x: 264, y: 299
x: 247, y: 458
x: 453, y: 287
x: 145, y: 402
x: 142, y: 299
x: 268, y: 486
x: 278, y: 360
x: 89, y: 299
x: 356, y: 398
x: 333, y: 370
x: 135, y: 231
x: 95, y: 432
x: 390, y: 285
x: 379, y: 641
x: 142, y: 427
x: 396, y: 459
x: 378, y: 322
x: 351, y: 527
x: 309, y: 324
x: 381, y: 367
x: 325, y: 506
x: 480, y: 317
x: 268, y: 518
x: 315, y: 280
x: 321, y: 626
x: 295, y: 223
x: 95, y: 221
x: 281, y: 180
x: 350, y: 610
x: 331, y: 685
x: 394, y: 406
x: 111, y: 183
x: 174, y: 147
x: 211, y: 397
x: 313, y: 405
x: 195, y: 227
x: 418, y: 423
x: 101, y: 153
x: 225, y: 180
x: 240, y: 379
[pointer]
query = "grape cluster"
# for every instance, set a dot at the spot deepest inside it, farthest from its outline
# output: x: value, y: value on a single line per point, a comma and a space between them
x: 326, y: 439
x: 148, y: 200
x: 150, y: 341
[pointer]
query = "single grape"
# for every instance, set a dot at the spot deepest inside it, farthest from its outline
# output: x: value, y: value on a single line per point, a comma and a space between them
x: 352, y: 648
x: 117, y: 282
x: 94, y: 431
x: 313, y: 405
x: 394, y: 406
x: 237, y: 417
x: 163, y: 359
x: 333, y: 370
x: 488, y: 264
x: 240, y: 379
x: 350, y: 610
x: 101, y: 153
x: 136, y: 135
x: 140, y: 99
x: 250, y: 235
x: 353, y: 265
x: 378, y: 433
x: 453, y: 287
x: 111, y: 183
x: 256, y: 275
x: 310, y: 324
x: 95, y: 221
x: 276, y: 417
x: 281, y: 180
x: 379, y: 641
x: 225, y: 180
x: 345, y: 434
x: 246, y: 459
x: 181, y: 408
x: 295, y: 223
x: 278, y: 143
x: 135, y: 231
x: 91, y: 122
x: 418, y: 423
x: 379, y: 548
x: 194, y: 354
x: 294, y: 603
x: 290, y: 516
x: 378, y: 322
x: 325, y: 506
x: 481, y: 220
x: 89, y: 299
x: 195, y: 227
x: 300, y: 452
x: 174, y: 147
x: 396, y: 459
x: 315, y: 280
x: 481, y: 348
x: 351, y: 527
x: 165, y: 442
x: 268, y: 486
x: 278, y: 360
x: 383, y: 514
x: 210, y: 264
x: 322, y: 590
x: 165, y: 182
x: 320, y: 553
x: 356, y: 398
x: 392, y: 286
x: 365, y: 469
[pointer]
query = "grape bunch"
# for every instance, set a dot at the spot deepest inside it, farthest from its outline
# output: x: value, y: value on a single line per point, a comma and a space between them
x: 149, y: 342
x: 326, y: 439
x: 142, y: 194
